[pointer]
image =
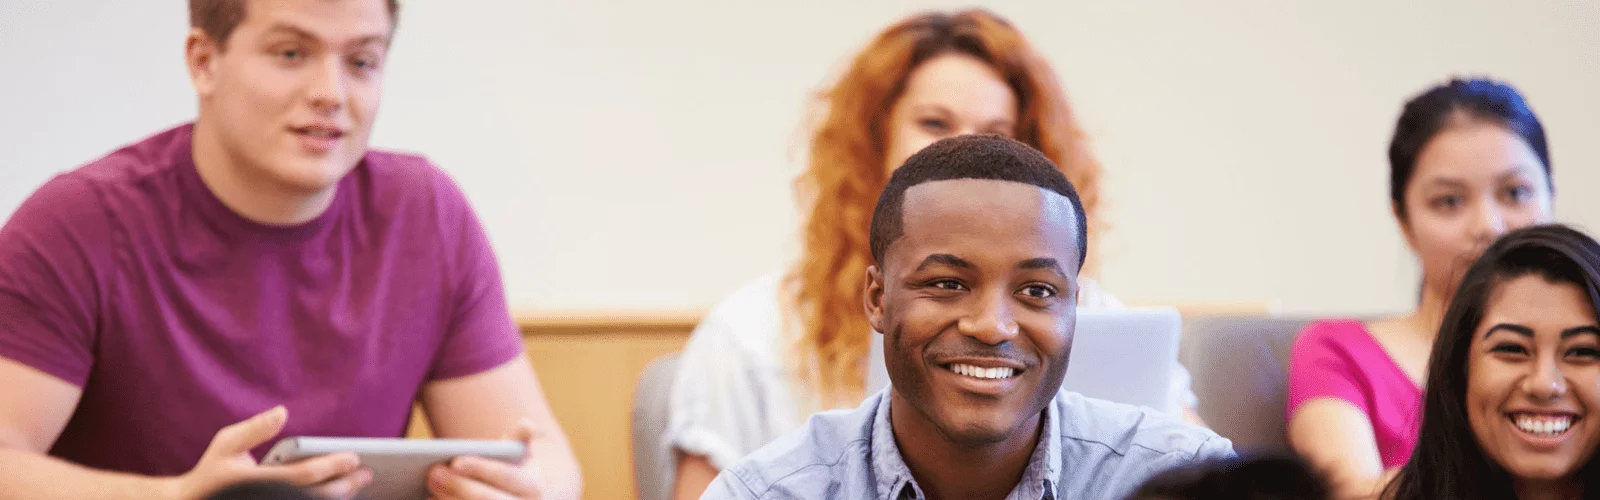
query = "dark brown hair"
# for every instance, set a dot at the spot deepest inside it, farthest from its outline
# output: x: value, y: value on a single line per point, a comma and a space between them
x: 1447, y: 104
x: 218, y: 18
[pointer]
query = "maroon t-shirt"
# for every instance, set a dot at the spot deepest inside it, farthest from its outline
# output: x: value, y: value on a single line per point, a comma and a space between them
x: 129, y: 278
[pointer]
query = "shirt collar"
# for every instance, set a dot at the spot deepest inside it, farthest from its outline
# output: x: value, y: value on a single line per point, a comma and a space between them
x: 888, y: 467
x: 894, y: 481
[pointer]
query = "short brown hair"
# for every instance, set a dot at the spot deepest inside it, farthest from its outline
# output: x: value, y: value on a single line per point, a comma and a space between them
x: 218, y: 18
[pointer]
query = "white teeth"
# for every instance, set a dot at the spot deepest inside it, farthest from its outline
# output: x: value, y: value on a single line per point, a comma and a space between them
x: 983, y: 373
x: 1544, y: 426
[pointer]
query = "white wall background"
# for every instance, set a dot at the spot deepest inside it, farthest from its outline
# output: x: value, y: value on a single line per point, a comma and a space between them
x: 638, y: 154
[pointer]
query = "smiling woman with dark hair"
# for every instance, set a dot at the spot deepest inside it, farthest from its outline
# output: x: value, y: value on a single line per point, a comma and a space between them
x: 1514, y: 373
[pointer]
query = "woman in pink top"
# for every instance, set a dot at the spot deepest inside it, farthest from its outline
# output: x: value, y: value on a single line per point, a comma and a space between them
x: 1468, y: 162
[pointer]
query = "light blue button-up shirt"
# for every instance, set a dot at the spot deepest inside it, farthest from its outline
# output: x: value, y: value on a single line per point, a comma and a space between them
x: 1088, y: 449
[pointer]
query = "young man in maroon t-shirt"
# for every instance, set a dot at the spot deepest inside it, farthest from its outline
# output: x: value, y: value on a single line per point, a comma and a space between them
x: 170, y: 310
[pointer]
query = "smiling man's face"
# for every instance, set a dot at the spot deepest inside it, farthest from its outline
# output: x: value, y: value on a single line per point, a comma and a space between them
x: 977, y: 299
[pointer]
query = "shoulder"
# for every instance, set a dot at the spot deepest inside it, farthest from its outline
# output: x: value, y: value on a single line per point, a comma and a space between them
x: 387, y: 174
x: 134, y: 178
x: 755, y: 303
x: 1329, y: 334
x: 832, y: 446
x: 409, y: 193
x: 750, y: 319
x: 1093, y: 296
x: 152, y: 157
x: 1114, y: 430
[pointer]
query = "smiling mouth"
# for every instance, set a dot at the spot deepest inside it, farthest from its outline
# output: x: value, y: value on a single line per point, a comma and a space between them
x: 319, y: 132
x: 982, y: 373
x: 1543, y: 425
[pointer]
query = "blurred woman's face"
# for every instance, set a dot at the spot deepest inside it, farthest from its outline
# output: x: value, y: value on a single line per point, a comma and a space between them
x: 1473, y: 182
x: 1533, y: 373
x: 946, y: 96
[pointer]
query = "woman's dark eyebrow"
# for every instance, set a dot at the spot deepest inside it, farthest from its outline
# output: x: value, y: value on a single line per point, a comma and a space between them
x: 1517, y: 329
x: 1580, y: 330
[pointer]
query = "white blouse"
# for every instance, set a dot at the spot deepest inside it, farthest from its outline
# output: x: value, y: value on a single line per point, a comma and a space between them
x: 732, y: 393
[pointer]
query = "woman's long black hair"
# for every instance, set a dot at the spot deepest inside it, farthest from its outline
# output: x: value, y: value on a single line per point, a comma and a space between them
x: 1447, y: 461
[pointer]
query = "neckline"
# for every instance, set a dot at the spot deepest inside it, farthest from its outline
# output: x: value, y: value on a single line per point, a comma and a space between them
x: 1389, y: 357
x: 211, y: 208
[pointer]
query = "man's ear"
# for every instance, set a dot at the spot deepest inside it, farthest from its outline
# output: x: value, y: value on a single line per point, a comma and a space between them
x: 200, y: 56
x: 873, y: 298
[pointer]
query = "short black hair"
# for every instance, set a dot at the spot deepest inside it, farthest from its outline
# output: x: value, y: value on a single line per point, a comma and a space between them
x: 265, y: 490
x: 1432, y: 111
x: 989, y: 157
x: 1278, y: 476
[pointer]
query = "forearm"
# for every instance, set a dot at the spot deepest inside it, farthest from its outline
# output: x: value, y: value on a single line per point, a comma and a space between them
x: 560, y: 477
x: 1359, y: 488
x: 1347, y: 481
x: 33, y: 476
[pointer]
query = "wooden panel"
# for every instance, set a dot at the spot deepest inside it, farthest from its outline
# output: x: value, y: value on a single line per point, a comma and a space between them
x: 543, y: 322
x: 588, y: 363
x: 589, y: 380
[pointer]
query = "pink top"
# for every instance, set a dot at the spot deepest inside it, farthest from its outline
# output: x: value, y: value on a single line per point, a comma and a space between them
x: 1341, y: 360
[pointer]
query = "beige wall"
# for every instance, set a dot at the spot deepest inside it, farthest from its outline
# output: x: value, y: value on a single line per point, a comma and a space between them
x: 634, y: 154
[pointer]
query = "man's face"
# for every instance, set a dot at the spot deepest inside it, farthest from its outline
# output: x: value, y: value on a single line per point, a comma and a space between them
x: 977, y: 301
x: 293, y: 93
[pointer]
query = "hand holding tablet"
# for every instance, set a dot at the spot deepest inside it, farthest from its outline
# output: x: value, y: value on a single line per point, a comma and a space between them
x: 375, y: 468
x: 400, y: 468
x: 474, y: 477
x: 227, y: 461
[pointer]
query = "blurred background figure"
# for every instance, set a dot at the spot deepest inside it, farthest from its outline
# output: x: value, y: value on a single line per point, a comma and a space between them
x: 1266, y: 477
x: 1468, y: 162
x: 261, y: 491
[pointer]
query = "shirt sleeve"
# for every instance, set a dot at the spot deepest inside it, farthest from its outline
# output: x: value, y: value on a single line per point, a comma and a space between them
x: 1216, y: 448
x: 732, y: 394
x: 49, y: 294
x: 481, y: 333
x: 727, y: 486
x: 1320, y: 366
x: 713, y: 409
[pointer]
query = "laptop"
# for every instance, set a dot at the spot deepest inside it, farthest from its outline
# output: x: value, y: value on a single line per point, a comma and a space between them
x: 1125, y: 356
x: 1120, y: 355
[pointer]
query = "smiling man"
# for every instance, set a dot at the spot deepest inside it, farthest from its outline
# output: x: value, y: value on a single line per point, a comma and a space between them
x: 978, y: 241
x: 168, y: 311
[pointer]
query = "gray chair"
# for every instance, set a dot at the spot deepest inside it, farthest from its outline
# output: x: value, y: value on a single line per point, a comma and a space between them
x: 653, y: 464
x: 1240, y: 367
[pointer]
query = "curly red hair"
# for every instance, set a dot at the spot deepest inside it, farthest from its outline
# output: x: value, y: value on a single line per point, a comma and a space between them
x: 840, y: 186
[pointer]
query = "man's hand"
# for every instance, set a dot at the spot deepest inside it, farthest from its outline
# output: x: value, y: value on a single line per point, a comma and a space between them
x: 227, y: 461
x: 477, y: 478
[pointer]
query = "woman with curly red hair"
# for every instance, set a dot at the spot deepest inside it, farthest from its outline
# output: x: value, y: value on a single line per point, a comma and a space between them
x: 797, y: 342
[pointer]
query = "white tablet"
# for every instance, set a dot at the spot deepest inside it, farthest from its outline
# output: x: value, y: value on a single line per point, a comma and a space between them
x: 399, y: 466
